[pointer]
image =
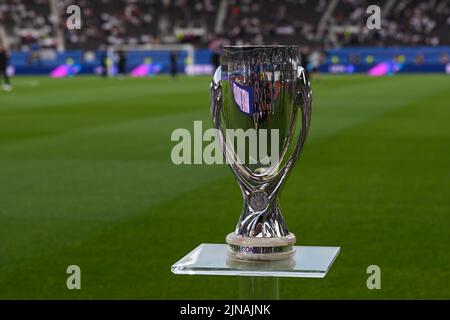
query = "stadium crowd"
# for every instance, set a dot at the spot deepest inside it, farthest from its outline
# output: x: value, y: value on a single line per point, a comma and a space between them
x: 407, y: 22
x: 26, y: 23
x: 132, y: 22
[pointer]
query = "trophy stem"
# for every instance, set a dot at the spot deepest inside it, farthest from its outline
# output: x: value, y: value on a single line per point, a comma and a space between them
x: 261, y: 216
x: 261, y: 233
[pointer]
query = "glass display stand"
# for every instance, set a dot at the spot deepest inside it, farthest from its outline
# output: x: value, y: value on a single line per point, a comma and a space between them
x: 259, y: 279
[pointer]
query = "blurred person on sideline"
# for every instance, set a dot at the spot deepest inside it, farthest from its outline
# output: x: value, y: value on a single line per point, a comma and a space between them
x: 305, y: 60
x: 122, y: 64
x: 173, y: 64
x: 215, y: 60
x: 104, y: 62
x: 4, y: 60
x: 315, y: 57
x: 216, y: 47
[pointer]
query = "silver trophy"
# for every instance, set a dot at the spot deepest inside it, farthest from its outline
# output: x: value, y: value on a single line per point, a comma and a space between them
x: 264, y: 89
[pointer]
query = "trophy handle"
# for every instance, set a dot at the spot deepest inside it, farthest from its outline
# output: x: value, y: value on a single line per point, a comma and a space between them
x: 216, y: 98
x: 304, y: 94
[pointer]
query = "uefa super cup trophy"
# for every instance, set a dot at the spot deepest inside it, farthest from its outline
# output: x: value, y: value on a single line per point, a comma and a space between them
x: 261, y: 92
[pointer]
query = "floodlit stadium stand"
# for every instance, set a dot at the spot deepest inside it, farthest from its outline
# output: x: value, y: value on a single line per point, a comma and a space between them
x: 36, y: 32
x: 133, y: 22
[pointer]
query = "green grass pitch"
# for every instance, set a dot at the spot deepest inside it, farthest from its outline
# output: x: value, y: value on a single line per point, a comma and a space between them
x: 86, y: 179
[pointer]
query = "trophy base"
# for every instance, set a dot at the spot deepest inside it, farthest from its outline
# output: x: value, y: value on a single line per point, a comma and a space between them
x: 260, y: 249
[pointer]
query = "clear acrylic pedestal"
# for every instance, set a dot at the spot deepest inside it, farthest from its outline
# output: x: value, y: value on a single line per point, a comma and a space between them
x: 261, y: 277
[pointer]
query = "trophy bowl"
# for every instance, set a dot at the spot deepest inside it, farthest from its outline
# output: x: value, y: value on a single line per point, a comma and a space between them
x: 261, y: 107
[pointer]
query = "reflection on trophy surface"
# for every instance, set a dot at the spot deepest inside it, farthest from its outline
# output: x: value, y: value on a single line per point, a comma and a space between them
x: 262, y: 95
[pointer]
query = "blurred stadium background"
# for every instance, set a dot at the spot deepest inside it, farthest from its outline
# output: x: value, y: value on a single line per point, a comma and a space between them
x: 85, y: 170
